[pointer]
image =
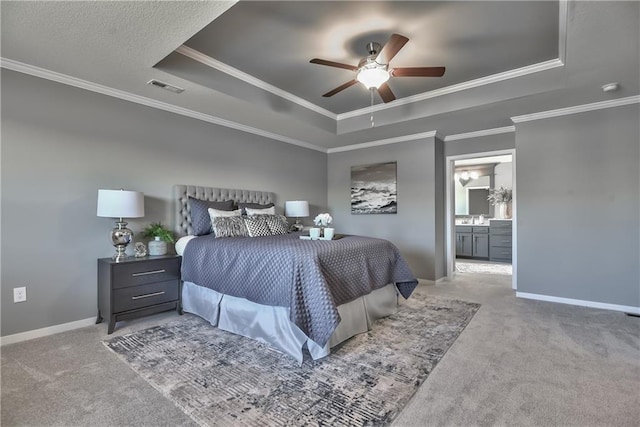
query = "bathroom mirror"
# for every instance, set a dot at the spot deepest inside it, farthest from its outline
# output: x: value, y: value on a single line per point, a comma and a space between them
x: 477, y: 201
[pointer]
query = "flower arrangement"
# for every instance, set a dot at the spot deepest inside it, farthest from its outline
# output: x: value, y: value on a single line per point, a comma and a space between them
x: 323, y: 220
x: 501, y: 195
x: 156, y: 229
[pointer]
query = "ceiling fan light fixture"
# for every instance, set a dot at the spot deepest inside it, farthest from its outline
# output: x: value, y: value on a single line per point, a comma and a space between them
x: 373, y: 77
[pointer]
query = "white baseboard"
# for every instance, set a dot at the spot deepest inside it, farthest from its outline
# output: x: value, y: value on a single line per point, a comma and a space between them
x: 428, y: 282
x: 43, y: 332
x: 583, y: 303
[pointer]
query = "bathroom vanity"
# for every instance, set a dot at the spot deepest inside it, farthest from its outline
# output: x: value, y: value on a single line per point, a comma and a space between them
x: 486, y: 242
x: 472, y: 241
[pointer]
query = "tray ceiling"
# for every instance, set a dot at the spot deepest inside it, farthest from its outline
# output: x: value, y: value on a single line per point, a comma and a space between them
x: 274, y: 41
x: 246, y: 65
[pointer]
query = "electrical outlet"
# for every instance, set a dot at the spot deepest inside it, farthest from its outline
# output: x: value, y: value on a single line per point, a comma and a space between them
x: 20, y: 294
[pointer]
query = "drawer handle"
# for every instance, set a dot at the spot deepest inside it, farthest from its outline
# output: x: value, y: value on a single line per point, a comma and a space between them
x: 148, y: 295
x: 148, y: 272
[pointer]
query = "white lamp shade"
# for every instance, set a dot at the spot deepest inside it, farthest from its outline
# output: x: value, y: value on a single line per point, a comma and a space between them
x: 120, y: 204
x: 296, y: 209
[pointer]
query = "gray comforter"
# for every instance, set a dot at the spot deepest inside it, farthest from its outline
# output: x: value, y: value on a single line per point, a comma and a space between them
x: 311, y: 278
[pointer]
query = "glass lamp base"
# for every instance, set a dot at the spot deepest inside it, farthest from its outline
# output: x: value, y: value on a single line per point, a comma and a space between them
x: 121, y: 236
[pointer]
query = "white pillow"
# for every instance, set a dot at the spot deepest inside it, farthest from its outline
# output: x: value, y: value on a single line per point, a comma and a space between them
x: 215, y: 213
x: 265, y: 211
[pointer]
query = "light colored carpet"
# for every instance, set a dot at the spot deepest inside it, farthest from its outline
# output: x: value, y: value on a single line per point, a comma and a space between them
x: 518, y: 363
x: 222, y: 379
x: 484, y: 268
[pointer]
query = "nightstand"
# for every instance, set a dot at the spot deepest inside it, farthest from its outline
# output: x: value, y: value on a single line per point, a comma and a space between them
x: 138, y: 287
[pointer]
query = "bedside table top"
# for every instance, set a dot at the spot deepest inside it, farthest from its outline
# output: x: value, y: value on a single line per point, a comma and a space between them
x: 132, y: 259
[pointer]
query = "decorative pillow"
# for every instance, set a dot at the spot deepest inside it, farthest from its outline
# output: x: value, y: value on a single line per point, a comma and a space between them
x: 229, y: 226
x: 277, y: 224
x: 200, y: 220
x: 265, y: 211
x: 257, y: 226
x: 243, y: 206
x: 215, y: 213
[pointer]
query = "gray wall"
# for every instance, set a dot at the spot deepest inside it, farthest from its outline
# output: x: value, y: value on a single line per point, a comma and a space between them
x: 579, y: 220
x: 61, y: 144
x: 501, y: 141
x: 413, y: 228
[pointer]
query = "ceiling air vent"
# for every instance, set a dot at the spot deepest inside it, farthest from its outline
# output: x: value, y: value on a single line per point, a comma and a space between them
x: 166, y: 86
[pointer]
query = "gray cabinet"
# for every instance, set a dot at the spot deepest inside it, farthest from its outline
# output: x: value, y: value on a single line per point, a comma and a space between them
x: 481, y: 246
x: 500, y: 240
x: 464, y: 241
x: 472, y: 241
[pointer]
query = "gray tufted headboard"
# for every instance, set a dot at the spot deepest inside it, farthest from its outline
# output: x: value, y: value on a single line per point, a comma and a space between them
x: 182, y: 193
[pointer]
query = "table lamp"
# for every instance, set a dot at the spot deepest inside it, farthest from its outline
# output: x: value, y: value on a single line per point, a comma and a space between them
x: 120, y: 204
x: 296, y: 209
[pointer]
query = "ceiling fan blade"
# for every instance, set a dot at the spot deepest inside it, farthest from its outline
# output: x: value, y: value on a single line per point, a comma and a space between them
x: 385, y: 93
x: 418, y: 72
x: 391, y: 48
x: 340, y: 88
x: 333, y: 64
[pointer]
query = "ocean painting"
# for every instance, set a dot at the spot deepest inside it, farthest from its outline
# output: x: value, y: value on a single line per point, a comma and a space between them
x: 373, y: 189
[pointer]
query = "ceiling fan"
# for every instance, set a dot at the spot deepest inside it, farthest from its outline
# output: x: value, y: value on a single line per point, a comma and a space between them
x: 373, y: 70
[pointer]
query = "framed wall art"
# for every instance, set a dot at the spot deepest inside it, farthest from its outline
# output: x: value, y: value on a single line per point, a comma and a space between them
x: 373, y: 189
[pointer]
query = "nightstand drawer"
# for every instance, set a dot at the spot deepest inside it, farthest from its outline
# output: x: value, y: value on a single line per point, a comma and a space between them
x: 140, y: 273
x: 145, y: 295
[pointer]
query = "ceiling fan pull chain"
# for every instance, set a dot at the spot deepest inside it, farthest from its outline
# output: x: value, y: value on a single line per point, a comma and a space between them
x: 372, y: 122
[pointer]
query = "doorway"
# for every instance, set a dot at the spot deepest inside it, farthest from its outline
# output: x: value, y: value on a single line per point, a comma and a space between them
x: 468, y: 179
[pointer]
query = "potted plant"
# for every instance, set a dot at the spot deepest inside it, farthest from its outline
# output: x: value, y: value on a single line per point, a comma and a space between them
x: 161, y: 236
x: 501, y: 197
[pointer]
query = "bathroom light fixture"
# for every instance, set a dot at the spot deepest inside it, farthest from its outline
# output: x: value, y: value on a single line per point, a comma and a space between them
x: 465, y: 177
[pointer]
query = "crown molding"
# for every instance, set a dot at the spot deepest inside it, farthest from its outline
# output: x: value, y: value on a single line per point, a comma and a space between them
x: 478, y: 133
x: 577, y: 109
x: 116, y: 93
x: 248, y: 78
x: 376, y: 143
x: 511, y: 74
x: 562, y: 29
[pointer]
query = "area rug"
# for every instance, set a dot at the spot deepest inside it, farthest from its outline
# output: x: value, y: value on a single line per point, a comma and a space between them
x: 221, y: 379
x: 484, y: 268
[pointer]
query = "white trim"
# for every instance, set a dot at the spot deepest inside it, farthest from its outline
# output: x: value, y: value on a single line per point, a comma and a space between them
x: 478, y: 133
x: 577, y: 109
x: 116, y: 93
x: 562, y: 30
x: 450, y: 218
x: 529, y: 69
x: 395, y: 140
x: 582, y: 303
x: 43, y: 332
x: 248, y: 78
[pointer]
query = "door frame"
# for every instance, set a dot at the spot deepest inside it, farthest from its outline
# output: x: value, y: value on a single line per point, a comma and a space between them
x: 451, y: 217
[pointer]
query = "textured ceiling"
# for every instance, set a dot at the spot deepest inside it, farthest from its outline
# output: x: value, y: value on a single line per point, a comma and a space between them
x: 113, y: 47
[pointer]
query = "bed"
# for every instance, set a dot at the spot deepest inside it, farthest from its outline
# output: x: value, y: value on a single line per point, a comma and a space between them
x: 287, y: 292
